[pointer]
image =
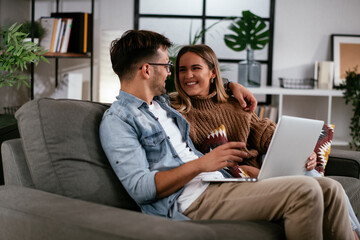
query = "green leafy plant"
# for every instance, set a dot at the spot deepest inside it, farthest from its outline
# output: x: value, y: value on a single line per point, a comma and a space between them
x: 351, y: 87
x: 249, y: 32
x: 39, y: 31
x: 15, y: 55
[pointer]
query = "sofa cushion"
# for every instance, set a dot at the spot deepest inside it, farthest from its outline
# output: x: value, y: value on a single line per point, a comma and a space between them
x: 323, y: 147
x: 64, y: 154
x: 235, y: 229
x: 352, y: 188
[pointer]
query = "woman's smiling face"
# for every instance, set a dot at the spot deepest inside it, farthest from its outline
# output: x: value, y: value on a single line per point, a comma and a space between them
x: 194, y: 75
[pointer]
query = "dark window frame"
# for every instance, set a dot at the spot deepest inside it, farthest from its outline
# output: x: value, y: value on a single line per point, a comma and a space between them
x: 204, y: 17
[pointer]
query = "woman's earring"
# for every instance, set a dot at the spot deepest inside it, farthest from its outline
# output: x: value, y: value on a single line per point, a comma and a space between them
x: 212, y: 80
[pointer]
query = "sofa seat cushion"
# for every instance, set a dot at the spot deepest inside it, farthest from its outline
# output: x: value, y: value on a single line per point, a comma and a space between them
x: 63, y: 151
x: 263, y: 230
x: 352, y: 188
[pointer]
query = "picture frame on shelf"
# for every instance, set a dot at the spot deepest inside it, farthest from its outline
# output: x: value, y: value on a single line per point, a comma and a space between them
x: 345, y: 54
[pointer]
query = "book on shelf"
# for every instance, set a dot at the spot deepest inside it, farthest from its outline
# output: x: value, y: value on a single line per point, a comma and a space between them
x: 324, y: 74
x: 262, y: 111
x: 80, y: 39
x: 60, y: 36
x: 273, y: 116
x: 66, y: 35
x: 267, y: 111
x: 56, y: 33
x: 48, y: 24
x: 52, y: 29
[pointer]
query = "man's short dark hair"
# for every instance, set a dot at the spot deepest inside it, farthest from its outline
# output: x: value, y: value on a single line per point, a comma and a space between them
x: 133, y: 47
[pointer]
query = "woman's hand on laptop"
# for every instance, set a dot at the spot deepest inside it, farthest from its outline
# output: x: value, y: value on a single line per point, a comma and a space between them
x: 311, y: 163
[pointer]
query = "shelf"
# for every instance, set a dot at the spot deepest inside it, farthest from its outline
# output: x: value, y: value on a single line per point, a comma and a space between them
x: 281, y: 92
x: 298, y: 92
x: 67, y: 55
x: 58, y: 56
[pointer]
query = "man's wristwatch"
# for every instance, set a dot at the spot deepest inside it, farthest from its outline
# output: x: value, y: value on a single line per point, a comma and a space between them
x: 227, y: 86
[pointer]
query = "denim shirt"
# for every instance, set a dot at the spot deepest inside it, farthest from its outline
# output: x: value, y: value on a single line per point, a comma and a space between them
x: 137, y: 147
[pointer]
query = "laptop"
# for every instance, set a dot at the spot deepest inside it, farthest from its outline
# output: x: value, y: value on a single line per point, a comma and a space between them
x: 293, y: 142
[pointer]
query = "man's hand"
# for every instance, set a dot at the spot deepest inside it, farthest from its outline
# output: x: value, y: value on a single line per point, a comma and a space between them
x: 311, y: 163
x: 226, y: 155
x: 244, y: 96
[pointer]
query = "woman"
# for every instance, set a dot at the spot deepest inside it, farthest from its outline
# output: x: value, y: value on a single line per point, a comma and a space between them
x: 202, y: 100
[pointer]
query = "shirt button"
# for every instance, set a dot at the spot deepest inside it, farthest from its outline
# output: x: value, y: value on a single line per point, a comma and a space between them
x: 157, y: 119
x: 175, y: 156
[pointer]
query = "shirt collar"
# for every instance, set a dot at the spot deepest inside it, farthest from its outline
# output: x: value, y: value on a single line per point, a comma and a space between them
x: 125, y: 96
x: 131, y: 99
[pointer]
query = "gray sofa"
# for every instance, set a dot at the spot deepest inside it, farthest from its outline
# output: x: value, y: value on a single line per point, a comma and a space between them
x: 59, y: 184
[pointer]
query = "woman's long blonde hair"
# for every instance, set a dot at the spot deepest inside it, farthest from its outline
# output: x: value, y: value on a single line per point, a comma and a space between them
x: 180, y: 100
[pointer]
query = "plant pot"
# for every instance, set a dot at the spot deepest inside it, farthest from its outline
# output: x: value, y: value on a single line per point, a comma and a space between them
x: 36, y: 40
x: 249, y: 74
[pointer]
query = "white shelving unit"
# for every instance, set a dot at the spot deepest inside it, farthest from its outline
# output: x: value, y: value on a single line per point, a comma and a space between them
x: 328, y: 106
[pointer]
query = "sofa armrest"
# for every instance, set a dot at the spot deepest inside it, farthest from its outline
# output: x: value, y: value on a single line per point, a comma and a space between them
x: 27, y: 213
x: 16, y: 171
x: 343, y: 163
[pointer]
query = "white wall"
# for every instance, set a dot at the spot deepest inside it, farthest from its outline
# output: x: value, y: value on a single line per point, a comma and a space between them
x: 302, y: 33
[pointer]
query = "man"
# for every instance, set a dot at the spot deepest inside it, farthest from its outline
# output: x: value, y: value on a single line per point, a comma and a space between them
x: 147, y: 143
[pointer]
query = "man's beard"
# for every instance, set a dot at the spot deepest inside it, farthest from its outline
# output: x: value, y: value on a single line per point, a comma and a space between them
x: 158, y: 86
x: 161, y: 89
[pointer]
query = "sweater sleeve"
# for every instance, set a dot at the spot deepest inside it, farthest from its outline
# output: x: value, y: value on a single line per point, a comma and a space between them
x: 261, y: 132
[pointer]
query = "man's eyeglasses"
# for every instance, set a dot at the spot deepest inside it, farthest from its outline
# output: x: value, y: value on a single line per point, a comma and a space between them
x: 168, y: 65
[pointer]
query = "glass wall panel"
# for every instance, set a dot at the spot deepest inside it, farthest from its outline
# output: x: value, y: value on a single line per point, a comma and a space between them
x: 215, y: 39
x: 229, y: 71
x: 235, y: 7
x: 177, y: 30
x: 173, y: 7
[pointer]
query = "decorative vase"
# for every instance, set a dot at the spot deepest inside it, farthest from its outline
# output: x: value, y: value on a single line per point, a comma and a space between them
x: 249, y: 71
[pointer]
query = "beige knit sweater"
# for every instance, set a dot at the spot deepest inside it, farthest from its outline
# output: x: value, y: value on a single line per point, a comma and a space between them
x: 206, y: 115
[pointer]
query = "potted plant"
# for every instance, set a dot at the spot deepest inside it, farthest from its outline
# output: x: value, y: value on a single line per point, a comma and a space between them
x: 15, y: 55
x: 39, y: 31
x: 249, y: 32
x: 351, y: 87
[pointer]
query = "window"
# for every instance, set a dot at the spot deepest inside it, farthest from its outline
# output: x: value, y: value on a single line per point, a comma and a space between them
x: 178, y: 19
